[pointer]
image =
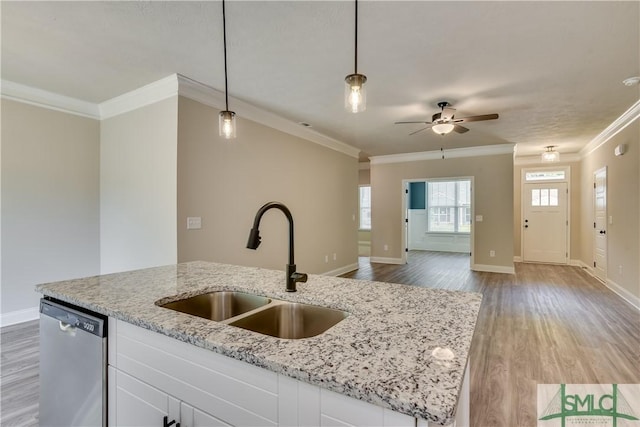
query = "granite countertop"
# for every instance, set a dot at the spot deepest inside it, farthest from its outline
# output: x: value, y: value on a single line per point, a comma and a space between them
x: 402, y: 347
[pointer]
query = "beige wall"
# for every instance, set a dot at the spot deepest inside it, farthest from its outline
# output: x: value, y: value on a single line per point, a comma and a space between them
x: 225, y: 182
x: 574, y: 207
x: 493, y: 181
x: 138, y: 188
x: 364, y: 177
x: 50, y: 201
x: 623, y: 205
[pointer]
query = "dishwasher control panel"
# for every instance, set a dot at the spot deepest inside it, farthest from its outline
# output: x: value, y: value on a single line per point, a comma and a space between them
x: 71, y: 318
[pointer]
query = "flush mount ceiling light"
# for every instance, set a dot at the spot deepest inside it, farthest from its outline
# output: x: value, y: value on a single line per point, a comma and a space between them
x: 355, y: 94
x: 226, y: 119
x: 443, y: 128
x: 550, y: 155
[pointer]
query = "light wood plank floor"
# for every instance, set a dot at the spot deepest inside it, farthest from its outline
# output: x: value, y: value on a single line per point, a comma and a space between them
x: 19, y: 385
x: 543, y: 325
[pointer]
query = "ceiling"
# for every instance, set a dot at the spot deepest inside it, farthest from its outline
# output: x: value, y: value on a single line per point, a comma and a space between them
x: 552, y: 70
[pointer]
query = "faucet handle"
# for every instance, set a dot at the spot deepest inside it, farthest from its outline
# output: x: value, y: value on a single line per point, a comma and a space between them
x: 299, y: 277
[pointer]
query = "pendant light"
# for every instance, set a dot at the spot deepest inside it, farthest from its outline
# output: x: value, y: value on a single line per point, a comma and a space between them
x: 226, y: 119
x: 550, y: 155
x: 355, y: 94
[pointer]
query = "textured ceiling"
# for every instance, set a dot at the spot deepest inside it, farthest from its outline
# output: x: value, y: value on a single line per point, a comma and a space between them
x: 552, y: 70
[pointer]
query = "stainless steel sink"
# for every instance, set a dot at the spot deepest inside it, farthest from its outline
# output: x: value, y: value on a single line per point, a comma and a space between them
x: 291, y: 320
x: 218, y: 306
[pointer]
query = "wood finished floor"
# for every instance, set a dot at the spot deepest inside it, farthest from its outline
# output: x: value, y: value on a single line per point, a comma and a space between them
x: 543, y: 325
x: 19, y: 385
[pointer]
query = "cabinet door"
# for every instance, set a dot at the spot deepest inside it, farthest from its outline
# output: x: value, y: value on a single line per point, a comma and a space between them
x: 193, y: 417
x: 139, y: 404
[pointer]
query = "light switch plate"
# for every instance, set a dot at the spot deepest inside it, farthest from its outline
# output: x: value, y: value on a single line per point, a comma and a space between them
x: 194, y: 223
x: 479, y: 218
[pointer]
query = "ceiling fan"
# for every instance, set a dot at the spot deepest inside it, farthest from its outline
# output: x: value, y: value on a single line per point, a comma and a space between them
x: 444, y: 122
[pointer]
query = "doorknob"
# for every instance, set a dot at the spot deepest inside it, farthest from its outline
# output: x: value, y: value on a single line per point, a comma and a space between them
x: 526, y: 226
x: 603, y: 231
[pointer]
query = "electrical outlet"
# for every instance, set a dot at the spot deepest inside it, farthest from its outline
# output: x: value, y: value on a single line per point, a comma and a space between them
x: 492, y: 253
x: 335, y: 257
x: 386, y: 247
x: 326, y: 258
x: 620, y: 270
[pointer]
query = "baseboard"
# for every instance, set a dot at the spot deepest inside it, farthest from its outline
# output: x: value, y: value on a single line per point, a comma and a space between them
x: 517, y: 259
x: 494, y: 268
x: 19, y: 316
x: 342, y: 270
x: 623, y: 293
x: 613, y: 286
x: 384, y: 260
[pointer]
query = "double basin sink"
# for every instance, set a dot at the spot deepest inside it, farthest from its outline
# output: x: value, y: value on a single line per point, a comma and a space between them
x: 280, y: 319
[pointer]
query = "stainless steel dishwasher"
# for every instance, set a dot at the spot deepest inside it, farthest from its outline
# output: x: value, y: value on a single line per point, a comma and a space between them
x: 73, y: 366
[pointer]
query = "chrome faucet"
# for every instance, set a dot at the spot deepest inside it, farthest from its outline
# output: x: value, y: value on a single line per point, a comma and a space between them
x: 292, y: 276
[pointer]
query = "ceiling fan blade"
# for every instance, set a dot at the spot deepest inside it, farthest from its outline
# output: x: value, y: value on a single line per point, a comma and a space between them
x: 477, y: 118
x: 460, y: 129
x: 404, y: 123
x: 447, y: 113
x: 420, y: 130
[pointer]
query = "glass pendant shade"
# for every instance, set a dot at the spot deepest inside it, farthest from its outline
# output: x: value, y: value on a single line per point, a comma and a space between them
x: 227, y: 124
x: 443, y: 128
x: 355, y: 94
x: 550, y: 155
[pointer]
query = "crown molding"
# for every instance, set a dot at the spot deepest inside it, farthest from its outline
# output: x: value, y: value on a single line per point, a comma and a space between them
x: 141, y: 97
x: 453, y: 153
x: 610, y: 131
x: 167, y: 87
x: 214, y: 98
x: 50, y: 100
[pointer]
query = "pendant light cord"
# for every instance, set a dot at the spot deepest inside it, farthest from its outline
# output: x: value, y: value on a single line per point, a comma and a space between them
x: 356, y: 38
x: 224, y: 38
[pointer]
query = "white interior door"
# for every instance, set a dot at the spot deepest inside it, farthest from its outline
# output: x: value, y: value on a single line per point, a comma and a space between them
x: 600, y: 223
x: 545, y: 223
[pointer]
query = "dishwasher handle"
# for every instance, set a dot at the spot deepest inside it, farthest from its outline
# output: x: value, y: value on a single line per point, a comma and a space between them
x: 66, y: 327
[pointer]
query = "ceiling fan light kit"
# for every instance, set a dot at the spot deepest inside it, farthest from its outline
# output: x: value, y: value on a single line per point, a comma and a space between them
x: 355, y: 94
x: 226, y: 118
x: 443, y: 128
x: 444, y: 122
x: 550, y: 155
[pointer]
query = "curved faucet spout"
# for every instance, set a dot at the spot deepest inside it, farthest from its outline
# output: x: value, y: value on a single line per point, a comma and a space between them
x: 254, y: 241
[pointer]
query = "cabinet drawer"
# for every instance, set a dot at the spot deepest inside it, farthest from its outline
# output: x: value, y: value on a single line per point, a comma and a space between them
x: 231, y: 390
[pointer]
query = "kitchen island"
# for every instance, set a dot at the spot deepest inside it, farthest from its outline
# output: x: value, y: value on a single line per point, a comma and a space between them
x: 402, y: 348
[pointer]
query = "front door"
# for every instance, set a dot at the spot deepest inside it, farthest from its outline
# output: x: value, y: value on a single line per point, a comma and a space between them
x: 600, y: 224
x: 545, y: 223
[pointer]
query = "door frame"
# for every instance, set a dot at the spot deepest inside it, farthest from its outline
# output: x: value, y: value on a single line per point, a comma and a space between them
x: 567, y: 179
x: 603, y: 170
x: 405, y: 212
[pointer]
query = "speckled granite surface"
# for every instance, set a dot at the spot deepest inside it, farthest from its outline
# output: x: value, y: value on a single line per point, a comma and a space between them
x: 402, y: 347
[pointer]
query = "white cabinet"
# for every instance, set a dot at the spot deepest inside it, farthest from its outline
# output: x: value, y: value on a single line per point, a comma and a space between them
x: 194, y: 417
x: 152, y: 376
x: 134, y: 403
